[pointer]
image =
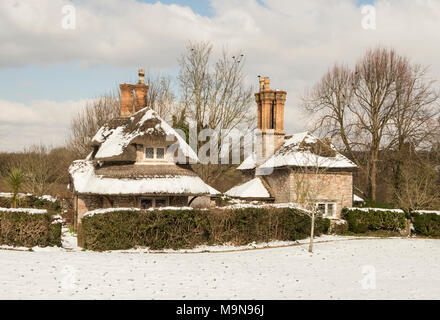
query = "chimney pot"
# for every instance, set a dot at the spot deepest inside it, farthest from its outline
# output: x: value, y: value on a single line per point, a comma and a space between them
x: 141, y: 74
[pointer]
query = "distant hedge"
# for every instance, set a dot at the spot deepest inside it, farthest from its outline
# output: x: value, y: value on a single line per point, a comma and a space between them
x: 178, y: 229
x: 32, y: 201
x: 26, y: 229
x: 364, y: 220
x: 427, y: 224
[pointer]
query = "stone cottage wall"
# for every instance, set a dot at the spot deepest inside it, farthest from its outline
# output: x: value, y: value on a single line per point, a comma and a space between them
x: 325, y: 187
x: 278, y: 181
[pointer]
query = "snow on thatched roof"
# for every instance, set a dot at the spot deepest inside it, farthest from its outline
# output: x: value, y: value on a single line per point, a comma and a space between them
x: 114, y: 137
x: 213, y: 191
x: 302, y: 150
x: 87, y: 180
x: 357, y: 198
x: 248, y: 163
x: 254, y: 189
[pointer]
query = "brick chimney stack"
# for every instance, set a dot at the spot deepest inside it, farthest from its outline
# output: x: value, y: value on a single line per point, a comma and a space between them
x: 133, y: 102
x: 270, y: 109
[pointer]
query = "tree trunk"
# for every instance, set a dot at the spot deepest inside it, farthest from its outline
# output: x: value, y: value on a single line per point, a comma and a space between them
x: 312, y: 231
x: 372, y: 176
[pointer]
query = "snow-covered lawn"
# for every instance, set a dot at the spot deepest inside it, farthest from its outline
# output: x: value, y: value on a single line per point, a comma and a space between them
x: 402, y: 269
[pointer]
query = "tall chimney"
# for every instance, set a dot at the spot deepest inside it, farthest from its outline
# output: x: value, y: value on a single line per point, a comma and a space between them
x: 133, y: 102
x: 126, y: 99
x: 270, y: 109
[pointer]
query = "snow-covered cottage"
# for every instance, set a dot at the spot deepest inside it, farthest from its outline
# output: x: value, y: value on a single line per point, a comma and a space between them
x: 285, y: 168
x: 138, y: 160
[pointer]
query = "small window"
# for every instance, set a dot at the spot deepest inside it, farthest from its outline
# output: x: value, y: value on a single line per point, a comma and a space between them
x: 160, y: 153
x: 146, y: 203
x: 321, y: 208
x: 161, y: 203
x: 149, y: 153
x: 331, y: 209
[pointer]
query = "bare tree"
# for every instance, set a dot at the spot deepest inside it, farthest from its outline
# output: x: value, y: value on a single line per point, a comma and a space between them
x: 214, y: 96
x: 42, y: 168
x: 86, y: 123
x: 418, y: 186
x: 368, y: 108
x: 315, y: 160
x: 160, y: 95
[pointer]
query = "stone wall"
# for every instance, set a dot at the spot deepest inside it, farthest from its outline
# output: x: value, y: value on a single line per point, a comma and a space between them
x: 278, y: 181
x: 327, y: 187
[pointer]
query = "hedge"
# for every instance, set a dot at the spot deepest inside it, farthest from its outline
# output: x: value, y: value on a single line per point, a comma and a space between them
x: 180, y: 229
x: 364, y: 220
x: 32, y: 201
x: 29, y: 228
x: 427, y: 224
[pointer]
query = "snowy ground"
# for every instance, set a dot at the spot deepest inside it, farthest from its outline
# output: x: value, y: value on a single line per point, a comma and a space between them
x: 398, y: 268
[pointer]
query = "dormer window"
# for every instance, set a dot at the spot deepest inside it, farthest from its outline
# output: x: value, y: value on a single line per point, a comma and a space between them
x: 160, y: 153
x: 149, y: 153
x: 154, y: 153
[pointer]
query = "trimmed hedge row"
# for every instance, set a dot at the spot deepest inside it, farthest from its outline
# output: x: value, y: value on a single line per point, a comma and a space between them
x: 179, y: 229
x: 24, y: 229
x: 361, y: 221
x: 426, y: 224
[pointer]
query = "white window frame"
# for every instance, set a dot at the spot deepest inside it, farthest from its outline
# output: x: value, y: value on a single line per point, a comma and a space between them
x: 155, y: 158
x: 326, y: 213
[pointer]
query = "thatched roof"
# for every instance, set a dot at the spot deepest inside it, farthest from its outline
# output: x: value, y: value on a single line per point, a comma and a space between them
x: 256, y: 188
x: 89, y: 178
x: 113, y: 140
x: 302, y: 150
x: 134, y: 171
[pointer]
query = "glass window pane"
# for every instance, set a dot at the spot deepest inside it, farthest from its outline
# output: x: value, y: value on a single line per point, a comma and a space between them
x: 160, y: 153
x: 161, y: 202
x: 331, y: 209
x: 149, y: 153
x: 321, y: 208
x: 146, y: 203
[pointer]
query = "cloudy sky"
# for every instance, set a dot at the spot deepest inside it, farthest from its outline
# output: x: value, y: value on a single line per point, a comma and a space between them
x: 47, y: 72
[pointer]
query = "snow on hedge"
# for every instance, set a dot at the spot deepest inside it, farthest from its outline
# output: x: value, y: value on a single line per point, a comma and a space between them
x: 10, y: 195
x: 109, y: 210
x: 23, y: 195
x: 115, y: 140
x: 428, y: 211
x: 255, y: 204
x: 86, y: 181
x: 251, y: 189
x: 375, y: 209
x: 393, y: 210
x: 24, y: 210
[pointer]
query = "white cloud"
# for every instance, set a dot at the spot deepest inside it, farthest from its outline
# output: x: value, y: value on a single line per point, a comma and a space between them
x: 292, y: 41
x: 39, y: 121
